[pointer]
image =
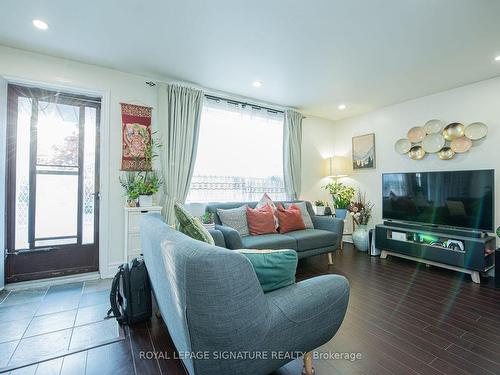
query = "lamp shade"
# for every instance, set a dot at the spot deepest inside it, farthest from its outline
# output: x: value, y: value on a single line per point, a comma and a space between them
x: 336, y: 166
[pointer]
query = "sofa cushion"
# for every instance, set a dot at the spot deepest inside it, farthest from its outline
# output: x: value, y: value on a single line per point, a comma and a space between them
x: 266, y: 200
x: 261, y: 220
x: 304, y: 213
x: 275, y: 269
x: 269, y: 241
x: 191, y: 226
x: 290, y: 218
x: 313, y: 238
x: 235, y: 218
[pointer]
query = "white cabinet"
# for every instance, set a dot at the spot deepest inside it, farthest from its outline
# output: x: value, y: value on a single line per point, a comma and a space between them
x: 133, y: 216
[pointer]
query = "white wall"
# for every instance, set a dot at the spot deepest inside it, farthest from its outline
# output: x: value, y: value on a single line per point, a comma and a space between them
x: 317, y: 144
x: 119, y: 87
x: 124, y: 87
x: 476, y: 102
x: 3, y: 141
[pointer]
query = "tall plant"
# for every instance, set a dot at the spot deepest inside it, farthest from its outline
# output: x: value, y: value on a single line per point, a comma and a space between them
x: 342, y: 194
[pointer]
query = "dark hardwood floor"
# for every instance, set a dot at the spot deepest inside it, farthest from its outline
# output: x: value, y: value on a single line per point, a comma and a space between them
x: 403, y: 318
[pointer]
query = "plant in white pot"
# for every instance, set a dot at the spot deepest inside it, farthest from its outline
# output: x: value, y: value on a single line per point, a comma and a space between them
x: 320, y: 207
x: 208, y: 220
x: 361, y: 212
x: 149, y: 185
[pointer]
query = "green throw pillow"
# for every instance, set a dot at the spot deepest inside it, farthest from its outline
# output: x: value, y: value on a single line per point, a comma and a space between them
x: 275, y: 269
x: 191, y: 226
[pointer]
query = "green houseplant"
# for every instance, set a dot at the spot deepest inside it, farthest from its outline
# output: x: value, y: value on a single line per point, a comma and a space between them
x: 342, y: 196
x: 149, y: 184
x: 130, y: 182
x: 140, y: 186
x: 207, y: 219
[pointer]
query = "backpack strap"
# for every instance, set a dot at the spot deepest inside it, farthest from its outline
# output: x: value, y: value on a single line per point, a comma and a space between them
x: 115, y: 298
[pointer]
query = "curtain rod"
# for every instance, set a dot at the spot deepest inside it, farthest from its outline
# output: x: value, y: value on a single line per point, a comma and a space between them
x: 257, y: 106
x: 220, y: 95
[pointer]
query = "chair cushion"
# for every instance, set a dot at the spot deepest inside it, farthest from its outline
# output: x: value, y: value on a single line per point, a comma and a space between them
x: 191, y: 226
x: 275, y: 269
x: 261, y: 220
x: 313, y: 238
x: 235, y: 218
x: 269, y: 241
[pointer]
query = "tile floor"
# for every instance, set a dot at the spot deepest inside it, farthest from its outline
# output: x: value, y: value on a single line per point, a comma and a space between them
x: 41, y: 323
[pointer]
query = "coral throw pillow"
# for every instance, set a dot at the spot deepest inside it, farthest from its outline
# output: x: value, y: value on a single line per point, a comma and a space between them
x: 261, y: 220
x: 290, y: 219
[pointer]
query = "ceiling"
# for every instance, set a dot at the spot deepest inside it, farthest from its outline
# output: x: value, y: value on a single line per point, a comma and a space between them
x: 312, y: 55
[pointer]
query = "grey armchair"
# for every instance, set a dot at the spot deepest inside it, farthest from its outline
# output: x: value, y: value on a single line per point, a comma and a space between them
x: 214, y: 307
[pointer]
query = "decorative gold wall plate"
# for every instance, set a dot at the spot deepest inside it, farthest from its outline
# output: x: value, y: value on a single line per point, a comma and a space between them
x: 432, y: 143
x: 476, y: 131
x: 433, y: 126
x: 402, y: 146
x: 446, y: 153
x: 416, y: 134
x: 453, y: 131
x: 460, y: 145
x: 416, y: 153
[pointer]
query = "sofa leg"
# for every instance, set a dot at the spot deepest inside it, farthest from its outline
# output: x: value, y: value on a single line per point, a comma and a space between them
x: 308, y: 364
x: 330, y: 258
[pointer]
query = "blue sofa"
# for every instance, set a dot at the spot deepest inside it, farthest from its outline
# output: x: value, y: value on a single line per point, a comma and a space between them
x: 324, y: 238
x: 212, y: 303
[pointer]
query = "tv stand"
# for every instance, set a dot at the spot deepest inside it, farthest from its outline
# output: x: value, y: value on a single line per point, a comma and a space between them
x: 455, y: 249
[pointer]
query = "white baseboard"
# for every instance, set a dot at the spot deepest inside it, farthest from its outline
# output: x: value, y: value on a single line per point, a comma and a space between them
x: 54, y: 281
x: 112, y: 269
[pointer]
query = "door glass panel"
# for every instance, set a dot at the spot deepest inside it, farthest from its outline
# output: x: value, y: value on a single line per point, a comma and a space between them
x: 22, y: 172
x: 57, y: 134
x: 56, y: 205
x: 89, y: 176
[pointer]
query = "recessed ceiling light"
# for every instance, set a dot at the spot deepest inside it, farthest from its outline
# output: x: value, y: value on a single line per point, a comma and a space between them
x: 39, y: 24
x: 257, y: 83
x: 342, y: 107
x: 497, y: 58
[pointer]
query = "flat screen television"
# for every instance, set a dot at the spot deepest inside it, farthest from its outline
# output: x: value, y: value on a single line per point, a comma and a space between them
x: 460, y: 199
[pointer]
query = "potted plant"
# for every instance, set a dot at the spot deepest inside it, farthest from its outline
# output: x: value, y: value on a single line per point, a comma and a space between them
x: 149, y: 184
x: 208, y: 220
x: 361, y: 212
x: 342, y: 196
x: 319, y: 207
x: 130, y: 182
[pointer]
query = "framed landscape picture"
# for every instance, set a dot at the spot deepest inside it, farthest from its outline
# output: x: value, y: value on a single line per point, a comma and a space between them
x: 363, y: 151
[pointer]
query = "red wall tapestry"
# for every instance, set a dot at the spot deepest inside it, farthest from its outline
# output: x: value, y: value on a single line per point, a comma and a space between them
x: 136, y: 137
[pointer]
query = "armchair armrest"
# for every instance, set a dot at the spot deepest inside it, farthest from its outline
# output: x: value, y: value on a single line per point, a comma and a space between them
x: 331, y: 224
x: 231, y: 237
x: 218, y: 237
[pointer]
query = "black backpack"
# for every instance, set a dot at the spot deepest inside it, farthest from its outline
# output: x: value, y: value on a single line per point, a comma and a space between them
x: 130, y: 295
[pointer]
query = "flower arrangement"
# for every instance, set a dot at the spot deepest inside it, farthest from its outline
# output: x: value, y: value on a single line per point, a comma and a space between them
x: 319, y: 203
x: 361, y: 209
x: 342, y: 194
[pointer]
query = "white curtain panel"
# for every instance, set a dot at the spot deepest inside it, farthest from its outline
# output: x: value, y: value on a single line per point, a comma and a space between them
x: 179, y: 113
x: 292, y: 153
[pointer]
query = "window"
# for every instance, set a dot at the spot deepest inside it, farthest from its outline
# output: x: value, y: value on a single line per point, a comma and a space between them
x: 240, y: 153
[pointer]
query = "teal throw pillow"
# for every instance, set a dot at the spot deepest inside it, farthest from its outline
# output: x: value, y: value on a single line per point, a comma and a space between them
x: 191, y: 226
x: 275, y: 269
